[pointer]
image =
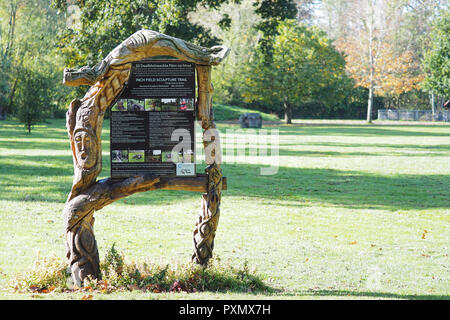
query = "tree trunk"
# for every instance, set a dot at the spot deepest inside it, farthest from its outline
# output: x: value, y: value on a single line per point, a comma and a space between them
x: 371, y: 66
x: 369, y: 106
x: 371, y: 86
x: 433, y: 106
x: 287, y: 112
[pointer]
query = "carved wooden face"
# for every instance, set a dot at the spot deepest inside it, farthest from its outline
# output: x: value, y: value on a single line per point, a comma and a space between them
x: 86, y: 149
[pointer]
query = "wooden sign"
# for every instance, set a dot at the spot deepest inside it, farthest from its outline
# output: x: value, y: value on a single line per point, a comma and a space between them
x: 152, y: 122
x: 151, y: 98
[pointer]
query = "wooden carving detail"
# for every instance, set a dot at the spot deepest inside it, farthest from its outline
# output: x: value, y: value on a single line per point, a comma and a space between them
x: 84, y: 124
x: 208, y: 220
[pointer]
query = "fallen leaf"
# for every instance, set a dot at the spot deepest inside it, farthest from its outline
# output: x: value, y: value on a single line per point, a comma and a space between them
x: 89, y: 297
x: 176, y: 286
x: 132, y: 287
x: 353, y: 242
x: 34, y: 288
x: 87, y: 288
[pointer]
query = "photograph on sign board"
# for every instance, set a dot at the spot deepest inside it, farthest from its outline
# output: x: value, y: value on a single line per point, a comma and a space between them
x: 170, y: 156
x: 152, y: 104
x: 121, y: 105
x: 177, y: 157
x: 153, y: 155
x: 135, y: 105
x: 169, y: 104
x: 119, y: 156
x: 188, y: 156
x: 167, y: 156
x: 186, y: 105
x: 136, y: 156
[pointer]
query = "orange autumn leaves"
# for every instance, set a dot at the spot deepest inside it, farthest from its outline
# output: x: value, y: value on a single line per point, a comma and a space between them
x: 395, y: 72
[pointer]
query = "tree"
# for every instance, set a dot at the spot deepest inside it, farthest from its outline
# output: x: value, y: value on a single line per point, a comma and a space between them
x: 334, y: 18
x: 389, y: 73
x: 27, y: 46
x: 7, y: 46
x: 437, y: 59
x: 4, y: 88
x: 272, y: 12
x: 305, y: 66
x: 383, y: 41
x: 305, y: 10
x: 239, y: 35
x: 33, y: 101
x: 104, y: 23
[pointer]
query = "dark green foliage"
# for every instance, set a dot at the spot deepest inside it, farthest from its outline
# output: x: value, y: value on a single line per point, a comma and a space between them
x: 105, y: 24
x: 30, y: 67
x: 33, y: 100
x: 304, y: 67
x: 272, y: 12
x: 4, y: 86
x: 437, y: 60
x: 352, y: 107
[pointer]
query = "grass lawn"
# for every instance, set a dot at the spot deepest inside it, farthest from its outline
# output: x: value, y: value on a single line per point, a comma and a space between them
x: 227, y: 112
x: 354, y: 212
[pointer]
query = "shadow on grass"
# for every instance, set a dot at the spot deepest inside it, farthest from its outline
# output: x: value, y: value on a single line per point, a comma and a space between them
x: 299, y: 186
x: 359, y: 131
x: 370, y: 294
x: 335, y: 154
x: 48, y: 177
x: 351, y: 189
x: 439, y: 147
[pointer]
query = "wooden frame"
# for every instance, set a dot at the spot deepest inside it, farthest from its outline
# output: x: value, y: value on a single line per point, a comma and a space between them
x: 84, y: 124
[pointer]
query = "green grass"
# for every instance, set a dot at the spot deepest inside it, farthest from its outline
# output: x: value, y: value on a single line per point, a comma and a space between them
x: 354, y: 212
x: 227, y: 112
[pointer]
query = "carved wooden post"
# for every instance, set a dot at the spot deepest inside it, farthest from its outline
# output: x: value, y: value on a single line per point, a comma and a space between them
x: 84, y: 124
x: 208, y: 220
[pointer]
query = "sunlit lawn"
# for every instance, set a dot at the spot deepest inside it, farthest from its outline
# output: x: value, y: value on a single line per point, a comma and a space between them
x: 354, y: 211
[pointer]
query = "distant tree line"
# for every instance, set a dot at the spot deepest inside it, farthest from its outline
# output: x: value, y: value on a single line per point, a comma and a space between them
x: 302, y: 58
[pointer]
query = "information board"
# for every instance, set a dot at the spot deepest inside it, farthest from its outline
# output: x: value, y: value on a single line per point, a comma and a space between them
x: 152, y: 122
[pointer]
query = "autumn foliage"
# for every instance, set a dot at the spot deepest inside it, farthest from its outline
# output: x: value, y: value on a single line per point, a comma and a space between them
x: 395, y: 72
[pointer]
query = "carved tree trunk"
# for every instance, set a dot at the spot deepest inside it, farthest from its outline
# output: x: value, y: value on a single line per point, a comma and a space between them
x: 82, y: 251
x: 208, y: 220
x: 84, y: 124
